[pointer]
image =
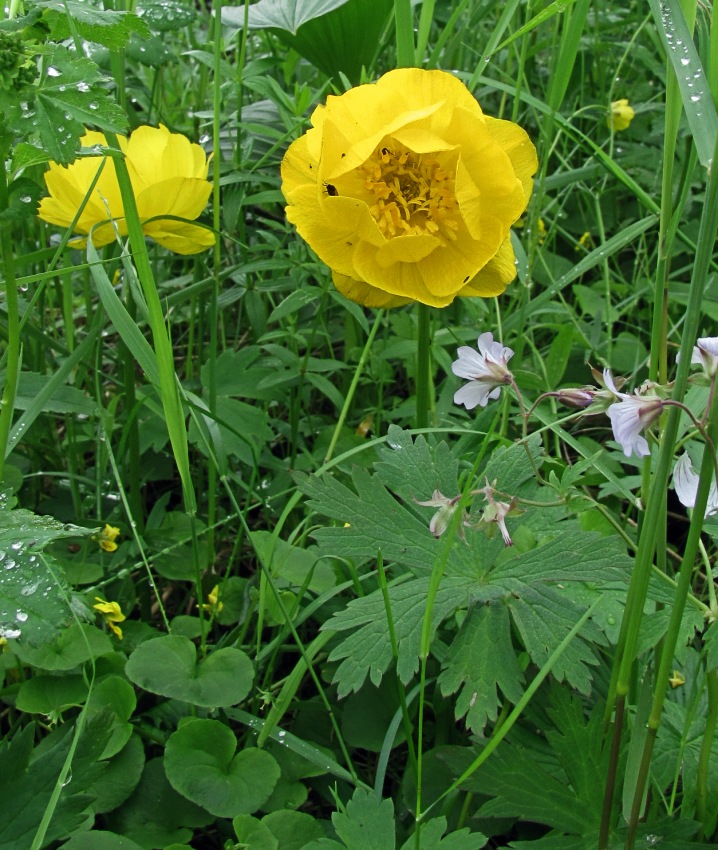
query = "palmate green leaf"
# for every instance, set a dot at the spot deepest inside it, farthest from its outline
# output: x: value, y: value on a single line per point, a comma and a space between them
x: 70, y: 98
x: 367, y: 824
x: 480, y: 661
x: 32, y: 586
x: 367, y: 650
x: 530, y: 584
x: 431, y: 838
x: 562, y: 789
x: 102, y: 26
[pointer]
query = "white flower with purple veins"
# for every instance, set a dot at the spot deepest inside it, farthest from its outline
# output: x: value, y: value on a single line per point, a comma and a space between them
x: 485, y: 370
x: 630, y: 416
x: 685, y: 483
x: 706, y: 355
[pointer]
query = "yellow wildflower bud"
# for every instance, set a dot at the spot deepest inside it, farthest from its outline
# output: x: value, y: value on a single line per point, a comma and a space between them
x: 213, y: 605
x: 621, y: 115
x: 112, y: 614
x: 169, y: 178
x: 107, y: 538
x: 677, y: 679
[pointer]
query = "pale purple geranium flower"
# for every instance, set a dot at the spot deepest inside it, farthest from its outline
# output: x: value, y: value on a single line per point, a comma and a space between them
x: 685, y: 483
x: 705, y: 354
x: 485, y: 369
x: 630, y: 416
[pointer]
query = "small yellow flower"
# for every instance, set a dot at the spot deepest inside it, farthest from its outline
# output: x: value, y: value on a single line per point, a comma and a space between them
x: 213, y: 605
x: 585, y: 242
x: 112, y: 613
x: 408, y: 192
x: 621, y: 115
x: 169, y: 178
x: 677, y: 679
x: 3, y: 644
x: 107, y: 538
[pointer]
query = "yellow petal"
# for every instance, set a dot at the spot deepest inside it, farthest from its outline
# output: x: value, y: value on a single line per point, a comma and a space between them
x: 494, y: 276
x: 515, y: 142
x: 184, y: 197
x: 180, y: 237
x: 299, y: 167
x: 363, y: 293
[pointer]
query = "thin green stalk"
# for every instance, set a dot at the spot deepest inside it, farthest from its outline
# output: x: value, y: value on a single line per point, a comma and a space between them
x: 422, y: 37
x: 630, y: 627
x: 705, y: 753
x: 423, y: 361
x: 406, y: 720
x: 403, y: 22
x: 216, y: 265
x: 352, y: 387
x: 12, y: 369
x: 707, y: 476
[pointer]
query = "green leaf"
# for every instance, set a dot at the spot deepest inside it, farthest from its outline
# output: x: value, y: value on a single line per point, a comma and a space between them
x: 155, y: 815
x: 431, y: 838
x: 120, y: 778
x: 201, y: 764
x: 102, y: 26
x: 293, y: 830
x: 168, y: 666
x: 367, y: 650
x: 69, y: 99
x: 286, y: 15
x: 294, y: 565
x: 367, y: 824
x: 63, y: 398
x: 28, y: 778
x: 688, y: 68
x: 116, y: 696
x: 74, y: 646
x: 480, y: 661
x: 100, y: 840
x: 32, y: 587
x: 252, y: 834
x: 46, y: 694
x: 167, y: 15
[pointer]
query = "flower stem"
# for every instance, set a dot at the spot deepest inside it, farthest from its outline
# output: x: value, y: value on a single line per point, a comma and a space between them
x: 12, y: 372
x: 705, y: 753
x: 423, y: 359
x: 352, y: 387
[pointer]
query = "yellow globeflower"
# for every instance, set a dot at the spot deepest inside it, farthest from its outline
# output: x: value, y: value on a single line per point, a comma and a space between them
x: 112, y: 613
x: 621, y: 115
x: 169, y: 177
x: 407, y: 191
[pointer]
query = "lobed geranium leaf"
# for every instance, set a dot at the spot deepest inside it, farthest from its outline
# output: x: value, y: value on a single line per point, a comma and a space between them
x: 367, y: 650
x: 70, y: 98
x: 431, y: 838
x: 480, y: 661
x: 367, y: 824
x: 103, y: 26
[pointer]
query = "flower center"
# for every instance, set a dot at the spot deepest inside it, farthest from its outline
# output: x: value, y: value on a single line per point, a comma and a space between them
x: 413, y: 193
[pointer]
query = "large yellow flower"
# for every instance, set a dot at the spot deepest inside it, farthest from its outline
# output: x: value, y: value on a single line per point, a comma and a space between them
x: 407, y: 191
x: 169, y: 177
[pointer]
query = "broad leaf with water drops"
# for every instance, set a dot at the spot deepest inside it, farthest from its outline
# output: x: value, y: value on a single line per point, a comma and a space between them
x: 33, y: 597
x: 70, y: 97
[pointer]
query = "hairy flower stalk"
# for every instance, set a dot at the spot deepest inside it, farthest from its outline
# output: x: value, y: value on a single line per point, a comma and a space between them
x: 408, y: 192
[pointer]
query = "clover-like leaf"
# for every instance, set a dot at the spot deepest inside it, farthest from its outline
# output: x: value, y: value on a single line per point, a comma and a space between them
x: 201, y: 764
x: 168, y: 666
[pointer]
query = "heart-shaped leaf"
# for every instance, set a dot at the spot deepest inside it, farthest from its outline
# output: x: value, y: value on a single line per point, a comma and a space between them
x: 201, y: 764
x: 168, y: 666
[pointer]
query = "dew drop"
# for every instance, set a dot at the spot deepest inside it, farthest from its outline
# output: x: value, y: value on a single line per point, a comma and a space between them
x: 53, y: 72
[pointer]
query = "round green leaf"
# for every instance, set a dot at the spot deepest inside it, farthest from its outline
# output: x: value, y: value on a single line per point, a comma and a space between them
x: 100, y: 840
x: 253, y: 834
x: 168, y: 666
x: 47, y: 694
x: 118, y: 695
x: 119, y: 779
x: 74, y: 645
x: 293, y: 830
x: 200, y: 763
